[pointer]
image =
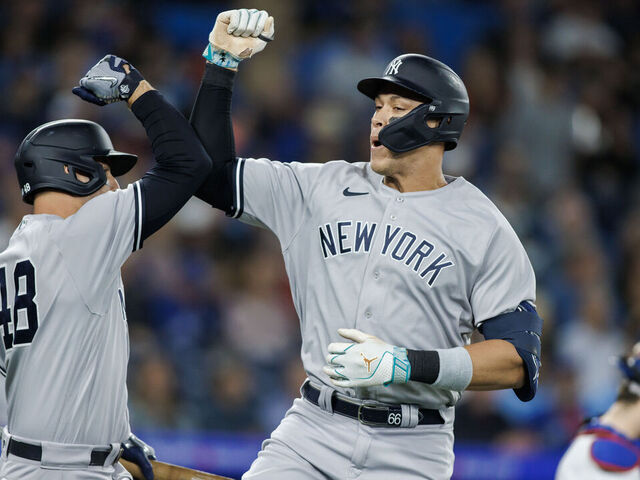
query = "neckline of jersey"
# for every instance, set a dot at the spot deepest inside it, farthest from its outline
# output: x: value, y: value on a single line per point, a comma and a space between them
x: 452, y: 183
x: 41, y: 216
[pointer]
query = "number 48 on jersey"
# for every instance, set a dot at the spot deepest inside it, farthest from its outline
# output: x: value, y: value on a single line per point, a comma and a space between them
x: 24, y: 278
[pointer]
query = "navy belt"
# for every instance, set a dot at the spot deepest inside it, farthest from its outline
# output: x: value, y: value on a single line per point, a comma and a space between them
x: 34, y: 452
x: 372, y: 414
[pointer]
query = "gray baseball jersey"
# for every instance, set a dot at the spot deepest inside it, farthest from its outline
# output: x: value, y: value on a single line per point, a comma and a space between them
x: 62, y: 318
x: 420, y: 270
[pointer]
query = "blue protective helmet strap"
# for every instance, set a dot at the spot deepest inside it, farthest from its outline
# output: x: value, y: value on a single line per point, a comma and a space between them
x: 523, y: 329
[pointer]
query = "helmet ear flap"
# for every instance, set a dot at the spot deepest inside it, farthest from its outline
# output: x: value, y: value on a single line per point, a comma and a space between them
x: 80, y: 174
x: 62, y: 175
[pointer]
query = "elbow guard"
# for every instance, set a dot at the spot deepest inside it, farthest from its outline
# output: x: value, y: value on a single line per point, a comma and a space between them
x: 523, y: 329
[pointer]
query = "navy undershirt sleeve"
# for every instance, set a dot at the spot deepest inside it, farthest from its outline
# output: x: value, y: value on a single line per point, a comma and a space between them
x: 182, y: 162
x: 211, y: 120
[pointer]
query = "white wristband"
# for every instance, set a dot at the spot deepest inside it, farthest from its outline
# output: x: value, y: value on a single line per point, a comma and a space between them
x: 456, y: 369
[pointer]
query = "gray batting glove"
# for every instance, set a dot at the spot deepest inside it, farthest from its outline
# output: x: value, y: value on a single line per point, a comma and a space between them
x: 110, y: 80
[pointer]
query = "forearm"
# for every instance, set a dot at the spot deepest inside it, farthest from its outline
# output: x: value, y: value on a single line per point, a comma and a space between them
x: 211, y: 120
x: 487, y: 365
x: 142, y: 88
x: 496, y: 366
x: 182, y: 162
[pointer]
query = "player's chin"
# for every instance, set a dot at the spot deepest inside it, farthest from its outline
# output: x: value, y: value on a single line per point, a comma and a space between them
x: 380, y: 159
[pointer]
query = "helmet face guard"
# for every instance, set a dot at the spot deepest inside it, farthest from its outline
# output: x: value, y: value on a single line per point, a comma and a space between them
x: 411, y: 131
x: 438, y: 86
x: 52, y: 156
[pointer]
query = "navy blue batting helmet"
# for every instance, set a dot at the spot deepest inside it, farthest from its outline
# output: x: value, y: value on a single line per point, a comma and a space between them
x: 51, y: 155
x: 629, y: 365
x: 438, y: 86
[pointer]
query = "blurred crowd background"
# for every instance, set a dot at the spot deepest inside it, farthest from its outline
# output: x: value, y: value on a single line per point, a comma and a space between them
x: 552, y: 139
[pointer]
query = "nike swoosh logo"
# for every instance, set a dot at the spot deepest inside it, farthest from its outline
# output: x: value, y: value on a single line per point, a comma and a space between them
x: 347, y: 193
x: 113, y: 80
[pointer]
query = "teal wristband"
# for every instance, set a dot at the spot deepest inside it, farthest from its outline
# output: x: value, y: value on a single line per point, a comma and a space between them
x: 222, y: 58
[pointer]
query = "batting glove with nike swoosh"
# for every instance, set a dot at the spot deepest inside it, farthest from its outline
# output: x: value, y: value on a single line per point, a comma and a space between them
x: 238, y: 34
x: 110, y: 80
x: 366, y: 363
x: 138, y: 452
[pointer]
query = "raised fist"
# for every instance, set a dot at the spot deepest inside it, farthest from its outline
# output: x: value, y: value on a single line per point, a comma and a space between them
x: 241, y: 33
x: 110, y: 80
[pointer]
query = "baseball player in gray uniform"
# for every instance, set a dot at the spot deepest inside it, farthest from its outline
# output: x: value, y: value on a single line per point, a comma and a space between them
x: 65, y: 346
x: 608, y: 447
x: 392, y: 266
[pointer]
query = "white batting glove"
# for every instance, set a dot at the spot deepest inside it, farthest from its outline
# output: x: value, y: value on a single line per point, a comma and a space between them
x: 367, y: 362
x: 238, y: 34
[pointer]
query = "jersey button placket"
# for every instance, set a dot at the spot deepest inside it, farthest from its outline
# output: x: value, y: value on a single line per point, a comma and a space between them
x: 393, y: 217
x: 373, y: 292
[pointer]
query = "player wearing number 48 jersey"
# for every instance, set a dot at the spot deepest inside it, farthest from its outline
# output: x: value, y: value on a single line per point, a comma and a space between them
x: 392, y: 266
x: 65, y: 346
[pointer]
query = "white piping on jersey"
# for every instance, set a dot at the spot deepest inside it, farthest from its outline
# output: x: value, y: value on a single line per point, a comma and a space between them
x: 139, y: 210
x: 238, y: 185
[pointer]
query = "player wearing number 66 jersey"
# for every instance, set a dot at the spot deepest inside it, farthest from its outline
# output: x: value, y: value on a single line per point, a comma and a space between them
x: 392, y: 266
x: 65, y: 347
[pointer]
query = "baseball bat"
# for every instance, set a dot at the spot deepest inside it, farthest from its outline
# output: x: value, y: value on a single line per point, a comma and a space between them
x: 167, y: 471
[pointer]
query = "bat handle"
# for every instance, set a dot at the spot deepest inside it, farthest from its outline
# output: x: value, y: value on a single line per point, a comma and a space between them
x: 133, y: 469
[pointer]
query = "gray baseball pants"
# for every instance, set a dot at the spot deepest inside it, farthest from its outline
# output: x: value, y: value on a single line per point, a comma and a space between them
x: 311, y: 443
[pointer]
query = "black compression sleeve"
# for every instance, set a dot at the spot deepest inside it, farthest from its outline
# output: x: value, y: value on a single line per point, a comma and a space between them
x: 211, y: 119
x: 181, y: 166
x: 425, y: 365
